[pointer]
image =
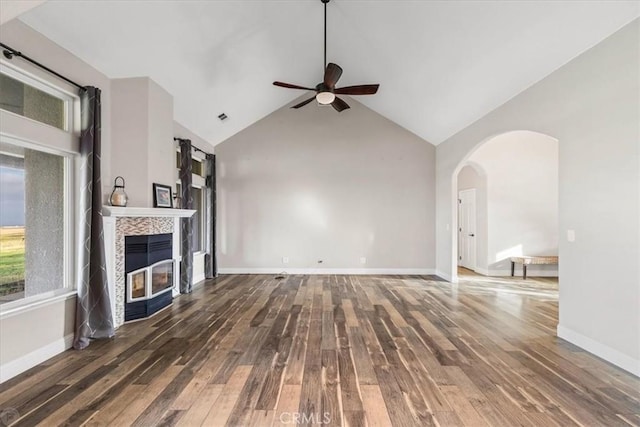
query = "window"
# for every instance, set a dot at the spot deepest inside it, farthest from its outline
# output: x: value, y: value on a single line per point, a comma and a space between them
x: 33, y: 221
x: 33, y: 103
x: 197, y: 165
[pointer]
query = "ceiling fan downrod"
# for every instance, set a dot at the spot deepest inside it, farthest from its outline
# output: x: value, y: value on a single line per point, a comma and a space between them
x: 324, y: 65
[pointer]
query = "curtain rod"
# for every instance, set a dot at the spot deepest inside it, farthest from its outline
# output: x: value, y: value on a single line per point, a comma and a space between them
x: 10, y: 52
x: 192, y: 146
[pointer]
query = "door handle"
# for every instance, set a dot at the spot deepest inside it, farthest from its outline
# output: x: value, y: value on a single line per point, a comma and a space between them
x: 472, y: 235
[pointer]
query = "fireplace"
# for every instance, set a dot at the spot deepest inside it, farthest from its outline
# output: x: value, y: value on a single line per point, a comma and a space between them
x: 149, y: 270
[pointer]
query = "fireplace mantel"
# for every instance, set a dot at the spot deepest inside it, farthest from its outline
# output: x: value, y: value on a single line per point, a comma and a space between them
x: 117, y: 211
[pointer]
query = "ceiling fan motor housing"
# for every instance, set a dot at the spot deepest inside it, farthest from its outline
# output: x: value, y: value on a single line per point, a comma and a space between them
x: 321, y: 87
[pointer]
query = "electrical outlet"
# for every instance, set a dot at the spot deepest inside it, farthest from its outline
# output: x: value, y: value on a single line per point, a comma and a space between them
x: 571, y: 235
x: 363, y: 260
x: 285, y: 260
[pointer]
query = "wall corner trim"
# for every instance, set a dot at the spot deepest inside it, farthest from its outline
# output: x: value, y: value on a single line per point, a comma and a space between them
x: 28, y: 361
x: 603, y: 351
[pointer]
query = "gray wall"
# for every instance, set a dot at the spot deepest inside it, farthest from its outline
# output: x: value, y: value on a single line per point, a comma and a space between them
x: 312, y: 184
x: 591, y: 106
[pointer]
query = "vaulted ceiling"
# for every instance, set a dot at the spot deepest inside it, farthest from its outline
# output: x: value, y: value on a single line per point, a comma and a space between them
x: 441, y: 64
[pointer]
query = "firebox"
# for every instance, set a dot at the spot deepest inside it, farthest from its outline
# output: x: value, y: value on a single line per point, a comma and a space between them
x: 149, y: 270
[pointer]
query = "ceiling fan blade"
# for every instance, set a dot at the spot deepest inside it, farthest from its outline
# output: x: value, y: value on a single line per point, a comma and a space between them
x: 339, y: 104
x: 303, y: 103
x: 357, y: 90
x: 290, y: 86
x: 332, y: 74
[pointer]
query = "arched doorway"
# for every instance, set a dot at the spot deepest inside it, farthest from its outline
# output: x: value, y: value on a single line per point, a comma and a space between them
x: 517, y: 210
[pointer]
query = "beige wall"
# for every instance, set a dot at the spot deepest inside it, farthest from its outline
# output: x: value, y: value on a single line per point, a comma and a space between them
x: 143, y: 148
x: 312, y: 184
x: 34, y: 335
x: 130, y: 135
x: 161, y: 153
x: 591, y: 106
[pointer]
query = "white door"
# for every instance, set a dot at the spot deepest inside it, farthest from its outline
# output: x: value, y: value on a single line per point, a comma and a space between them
x: 467, y: 229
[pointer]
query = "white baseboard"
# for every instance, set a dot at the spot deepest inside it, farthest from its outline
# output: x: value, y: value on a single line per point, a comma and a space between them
x: 603, y: 351
x: 370, y: 271
x: 28, y: 361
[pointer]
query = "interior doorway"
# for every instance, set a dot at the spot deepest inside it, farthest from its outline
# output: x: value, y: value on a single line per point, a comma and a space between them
x: 515, y: 180
x: 467, y: 228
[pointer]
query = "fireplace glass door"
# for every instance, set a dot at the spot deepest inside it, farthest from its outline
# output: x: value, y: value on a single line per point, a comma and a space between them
x: 138, y: 284
x: 161, y: 276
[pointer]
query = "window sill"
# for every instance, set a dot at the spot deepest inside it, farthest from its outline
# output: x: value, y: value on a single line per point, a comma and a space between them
x: 21, y: 306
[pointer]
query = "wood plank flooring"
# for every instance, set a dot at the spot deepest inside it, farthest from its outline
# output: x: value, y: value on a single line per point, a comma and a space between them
x: 334, y: 350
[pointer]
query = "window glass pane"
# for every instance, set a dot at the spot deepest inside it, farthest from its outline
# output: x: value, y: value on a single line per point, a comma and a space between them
x: 196, y: 243
x: 196, y: 167
x: 31, y: 222
x: 30, y: 102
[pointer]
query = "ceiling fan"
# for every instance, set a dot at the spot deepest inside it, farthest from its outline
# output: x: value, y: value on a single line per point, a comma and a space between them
x: 326, y: 90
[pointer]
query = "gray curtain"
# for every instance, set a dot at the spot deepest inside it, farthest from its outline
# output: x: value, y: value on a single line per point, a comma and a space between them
x: 210, y: 260
x: 93, y: 313
x: 186, y: 230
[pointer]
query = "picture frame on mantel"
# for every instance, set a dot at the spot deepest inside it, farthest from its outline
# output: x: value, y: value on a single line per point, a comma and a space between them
x: 162, y: 196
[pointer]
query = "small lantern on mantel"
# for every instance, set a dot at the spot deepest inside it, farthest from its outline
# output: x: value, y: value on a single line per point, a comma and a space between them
x: 118, y: 196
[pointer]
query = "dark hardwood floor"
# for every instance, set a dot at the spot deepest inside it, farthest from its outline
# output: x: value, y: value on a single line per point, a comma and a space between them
x: 335, y: 350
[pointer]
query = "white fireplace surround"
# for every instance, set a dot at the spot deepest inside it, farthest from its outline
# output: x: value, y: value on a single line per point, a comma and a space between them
x: 130, y: 221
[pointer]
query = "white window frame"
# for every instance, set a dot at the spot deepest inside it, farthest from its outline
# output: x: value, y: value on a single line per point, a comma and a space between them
x: 69, y: 249
x: 71, y: 106
x: 70, y: 164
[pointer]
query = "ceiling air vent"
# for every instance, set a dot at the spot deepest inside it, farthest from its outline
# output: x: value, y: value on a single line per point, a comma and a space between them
x: 222, y: 117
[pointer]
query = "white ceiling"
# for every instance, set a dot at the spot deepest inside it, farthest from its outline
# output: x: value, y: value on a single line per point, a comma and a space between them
x: 441, y: 64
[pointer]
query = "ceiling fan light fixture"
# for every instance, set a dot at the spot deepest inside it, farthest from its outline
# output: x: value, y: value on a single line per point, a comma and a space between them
x: 325, y: 98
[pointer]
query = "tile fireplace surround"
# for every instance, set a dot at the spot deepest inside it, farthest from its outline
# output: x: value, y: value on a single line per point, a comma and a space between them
x: 120, y: 222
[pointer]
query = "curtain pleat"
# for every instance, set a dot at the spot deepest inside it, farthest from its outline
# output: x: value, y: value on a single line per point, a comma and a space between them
x: 210, y: 260
x: 93, y: 312
x: 186, y: 230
